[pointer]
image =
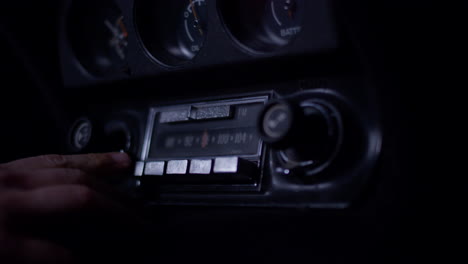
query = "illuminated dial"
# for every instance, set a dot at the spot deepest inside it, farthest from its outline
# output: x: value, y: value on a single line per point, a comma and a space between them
x: 282, y: 20
x: 263, y: 25
x: 192, y: 31
x: 98, y: 37
x: 173, y: 32
x: 118, y: 36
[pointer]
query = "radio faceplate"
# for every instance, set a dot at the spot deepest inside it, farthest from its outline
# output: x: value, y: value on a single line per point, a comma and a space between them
x: 204, y: 146
x: 211, y: 151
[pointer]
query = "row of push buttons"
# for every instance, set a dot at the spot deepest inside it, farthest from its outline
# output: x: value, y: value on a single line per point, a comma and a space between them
x: 222, y: 165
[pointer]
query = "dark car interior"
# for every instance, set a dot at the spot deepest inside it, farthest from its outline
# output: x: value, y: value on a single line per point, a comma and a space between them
x: 273, y: 131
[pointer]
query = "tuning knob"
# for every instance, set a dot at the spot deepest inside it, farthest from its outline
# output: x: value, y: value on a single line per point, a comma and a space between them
x: 118, y: 136
x: 302, y: 131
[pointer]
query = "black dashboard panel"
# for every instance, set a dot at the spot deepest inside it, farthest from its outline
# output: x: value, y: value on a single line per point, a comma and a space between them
x: 167, y: 133
x: 351, y: 72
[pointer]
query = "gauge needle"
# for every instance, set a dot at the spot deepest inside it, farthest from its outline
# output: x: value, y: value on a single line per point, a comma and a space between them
x: 122, y: 27
x: 289, y: 6
x: 196, y: 17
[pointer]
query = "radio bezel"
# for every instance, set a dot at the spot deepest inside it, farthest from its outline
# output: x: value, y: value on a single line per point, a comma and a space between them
x: 257, y: 158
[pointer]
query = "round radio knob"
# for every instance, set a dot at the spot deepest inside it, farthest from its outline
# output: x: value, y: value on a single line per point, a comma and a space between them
x: 80, y: 135
x: 304, y: 131
x: 118, y: 136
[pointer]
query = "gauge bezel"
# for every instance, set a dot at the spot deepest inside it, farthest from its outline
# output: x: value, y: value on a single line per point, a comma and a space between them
x: 164, y: 57
x: 87, y: 68
x: 240, y: 44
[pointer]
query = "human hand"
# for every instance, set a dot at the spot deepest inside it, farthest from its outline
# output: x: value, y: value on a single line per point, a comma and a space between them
x: 52, y: 206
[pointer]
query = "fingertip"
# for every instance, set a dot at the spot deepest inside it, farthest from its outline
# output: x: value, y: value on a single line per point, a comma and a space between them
x: 121, y: 159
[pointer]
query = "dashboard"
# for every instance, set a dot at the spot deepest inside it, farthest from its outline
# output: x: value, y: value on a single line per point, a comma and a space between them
x: 262, y: 131
x: 308, y: 142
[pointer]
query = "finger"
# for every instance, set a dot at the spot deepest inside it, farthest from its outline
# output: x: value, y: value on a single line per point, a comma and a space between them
x: 31, y: 179
x: 63, y: 201
x: 60, y: 212
x: 35, y: 251
x: 54, y: 200
x: 27, y: 180
x: 60, y: 209
x: 86, y: 162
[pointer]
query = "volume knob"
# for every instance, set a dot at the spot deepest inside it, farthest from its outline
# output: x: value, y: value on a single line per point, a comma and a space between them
x: 302, y: 131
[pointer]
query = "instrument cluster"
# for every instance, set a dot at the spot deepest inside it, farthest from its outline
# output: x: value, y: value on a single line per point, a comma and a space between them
x: 119, y: 39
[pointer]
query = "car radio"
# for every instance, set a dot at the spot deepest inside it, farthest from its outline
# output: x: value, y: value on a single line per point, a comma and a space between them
x: 204, y: 143
x: 311, y: 148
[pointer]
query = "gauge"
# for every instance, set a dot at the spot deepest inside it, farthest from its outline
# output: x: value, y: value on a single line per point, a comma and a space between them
x: 99, y: 37
x: 173, y: 32
x: 263, y: 25
x: 192, y: 31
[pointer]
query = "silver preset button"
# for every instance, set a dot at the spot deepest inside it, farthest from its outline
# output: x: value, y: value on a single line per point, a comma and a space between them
x: 177, y: 167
